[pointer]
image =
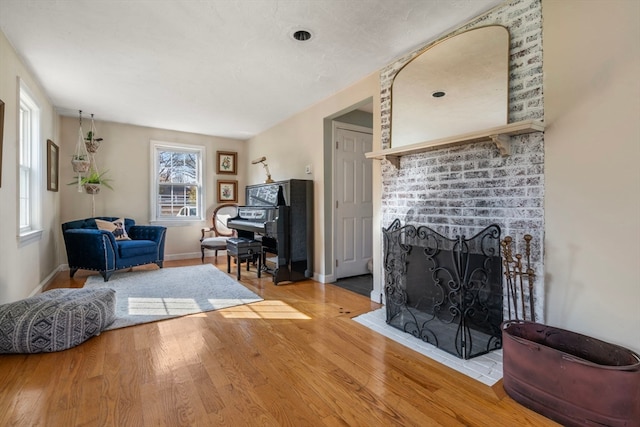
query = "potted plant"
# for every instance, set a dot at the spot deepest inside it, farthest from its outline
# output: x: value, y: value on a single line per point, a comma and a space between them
x: 91, y: 142
x: 80, y: 163
x: 93, y: 182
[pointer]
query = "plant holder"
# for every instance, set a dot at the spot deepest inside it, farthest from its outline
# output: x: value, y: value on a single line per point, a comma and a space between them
x: 85, y: 165
x: 91, y: 142
x: 80, y: 160
x: 92, y: 145
x: 80, y: 166
x: 91, y: 188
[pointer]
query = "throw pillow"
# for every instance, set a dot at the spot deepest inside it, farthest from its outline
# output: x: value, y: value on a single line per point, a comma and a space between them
x: 116, y: 227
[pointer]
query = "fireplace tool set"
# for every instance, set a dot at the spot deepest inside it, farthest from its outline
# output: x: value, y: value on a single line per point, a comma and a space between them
x: 516, y: 273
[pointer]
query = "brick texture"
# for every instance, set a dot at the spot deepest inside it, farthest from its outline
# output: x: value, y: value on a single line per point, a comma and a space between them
x: 461, y: 190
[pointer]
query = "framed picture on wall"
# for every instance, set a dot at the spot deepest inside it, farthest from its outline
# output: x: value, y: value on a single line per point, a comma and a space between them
x: 53, y: 161
x: 227, y: 191
x: 226, y: 162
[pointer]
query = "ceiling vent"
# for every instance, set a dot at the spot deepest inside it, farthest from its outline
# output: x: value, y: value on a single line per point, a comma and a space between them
x: 301, y: 35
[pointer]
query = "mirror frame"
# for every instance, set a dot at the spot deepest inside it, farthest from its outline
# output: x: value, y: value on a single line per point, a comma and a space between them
x: 469, y: 114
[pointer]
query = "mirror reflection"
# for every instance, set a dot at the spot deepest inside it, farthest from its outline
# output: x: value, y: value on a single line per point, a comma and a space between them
x: 457, y: 86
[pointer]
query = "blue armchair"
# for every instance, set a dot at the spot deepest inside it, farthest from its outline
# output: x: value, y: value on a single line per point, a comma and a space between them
x: 89, y: 248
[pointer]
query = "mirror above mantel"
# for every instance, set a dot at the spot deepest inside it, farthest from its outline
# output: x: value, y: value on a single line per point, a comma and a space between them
x: 456, y: 86
x: 455, y: 92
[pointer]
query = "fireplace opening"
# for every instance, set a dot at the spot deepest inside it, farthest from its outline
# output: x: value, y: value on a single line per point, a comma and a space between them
x: 447, y: 292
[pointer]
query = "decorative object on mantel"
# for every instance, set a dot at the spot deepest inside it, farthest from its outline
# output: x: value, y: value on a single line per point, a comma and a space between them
x: 500, y: 135
x: 263, y: 160
x: 515, y: 272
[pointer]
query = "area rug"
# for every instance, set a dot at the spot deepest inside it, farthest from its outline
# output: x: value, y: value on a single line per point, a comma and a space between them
x: 151, y: 295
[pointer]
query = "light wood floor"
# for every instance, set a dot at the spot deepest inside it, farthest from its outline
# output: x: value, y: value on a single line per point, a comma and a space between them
x: 295, y: 359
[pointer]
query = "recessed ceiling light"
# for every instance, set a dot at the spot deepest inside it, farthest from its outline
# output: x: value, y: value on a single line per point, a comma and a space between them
x: 301, y: 35
x: 438, y: 94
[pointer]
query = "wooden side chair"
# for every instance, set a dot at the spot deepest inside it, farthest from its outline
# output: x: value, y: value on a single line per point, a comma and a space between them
x: 215, y: 237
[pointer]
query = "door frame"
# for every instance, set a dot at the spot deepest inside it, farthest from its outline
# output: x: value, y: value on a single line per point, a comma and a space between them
x: 327, y: 275
x: 334, y: 127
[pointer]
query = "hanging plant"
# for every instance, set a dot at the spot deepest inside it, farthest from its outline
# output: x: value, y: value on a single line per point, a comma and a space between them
x: 93, y: 182
x: 92, y: 143
x: 92, y: 188
x: 80, y: 163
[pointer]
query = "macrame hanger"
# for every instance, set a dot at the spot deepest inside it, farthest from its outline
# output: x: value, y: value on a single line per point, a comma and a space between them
x: 93, y: 142
x: 81, y: 151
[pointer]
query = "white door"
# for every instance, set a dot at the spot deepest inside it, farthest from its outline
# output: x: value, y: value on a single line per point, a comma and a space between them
x: 353, y: 208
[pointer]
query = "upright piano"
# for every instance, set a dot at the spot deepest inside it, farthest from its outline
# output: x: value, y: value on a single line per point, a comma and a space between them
x: 280, y: 214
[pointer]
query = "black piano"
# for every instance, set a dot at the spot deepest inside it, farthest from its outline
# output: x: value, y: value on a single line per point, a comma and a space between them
x: 280, y: 214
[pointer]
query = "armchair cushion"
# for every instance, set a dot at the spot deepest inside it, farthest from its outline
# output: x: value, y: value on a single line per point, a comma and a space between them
x: 133, y: 248
x: 215, y: 242
x: 116, y: 227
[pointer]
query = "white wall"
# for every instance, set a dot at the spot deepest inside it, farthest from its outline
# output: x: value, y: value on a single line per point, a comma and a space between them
x: 592, y: 140
x: 125, y: 154
x: 300, y: 140
x: 24, y: 269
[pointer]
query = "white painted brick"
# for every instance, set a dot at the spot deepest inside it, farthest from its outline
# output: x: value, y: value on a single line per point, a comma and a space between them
x: 468, y: 187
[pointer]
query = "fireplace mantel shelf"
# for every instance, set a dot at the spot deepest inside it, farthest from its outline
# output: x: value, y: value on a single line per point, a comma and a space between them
x: 501, y: 135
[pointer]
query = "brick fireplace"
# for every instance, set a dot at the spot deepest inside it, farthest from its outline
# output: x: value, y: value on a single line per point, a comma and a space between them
x: 463, y: 189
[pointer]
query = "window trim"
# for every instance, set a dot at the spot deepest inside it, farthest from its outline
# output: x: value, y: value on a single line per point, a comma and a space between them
x: 201, y: 179
x: 33, y: 231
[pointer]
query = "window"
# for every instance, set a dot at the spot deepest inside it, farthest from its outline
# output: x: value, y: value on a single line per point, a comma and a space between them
x: 177, y: 193
x: 29, y: 167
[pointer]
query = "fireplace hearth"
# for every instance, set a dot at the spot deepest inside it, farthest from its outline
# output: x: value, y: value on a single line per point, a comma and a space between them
x: 447, y: 292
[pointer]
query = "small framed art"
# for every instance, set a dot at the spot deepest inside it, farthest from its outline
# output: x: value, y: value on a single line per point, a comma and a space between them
x: 226, y: 162
x: 53, y: 161
x: 227, y: 191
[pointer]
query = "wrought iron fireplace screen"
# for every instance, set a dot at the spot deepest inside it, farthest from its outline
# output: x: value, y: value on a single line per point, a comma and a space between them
x: 447, y: 292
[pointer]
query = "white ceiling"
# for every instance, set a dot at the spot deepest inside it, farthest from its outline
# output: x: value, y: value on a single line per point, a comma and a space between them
x: 217, y: 67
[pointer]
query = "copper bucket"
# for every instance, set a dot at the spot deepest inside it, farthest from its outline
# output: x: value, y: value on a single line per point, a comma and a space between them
x: 571, y: 378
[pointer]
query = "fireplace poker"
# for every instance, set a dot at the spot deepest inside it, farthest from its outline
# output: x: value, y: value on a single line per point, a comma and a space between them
x: 518, y: 271
x: 508, y: 260
x: 530, y: 274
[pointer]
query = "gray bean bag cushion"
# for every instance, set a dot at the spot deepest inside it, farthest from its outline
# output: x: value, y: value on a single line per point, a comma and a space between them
x: 55, y: 320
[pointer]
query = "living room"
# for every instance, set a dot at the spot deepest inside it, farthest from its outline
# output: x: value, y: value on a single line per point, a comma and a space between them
x: 591, y: 177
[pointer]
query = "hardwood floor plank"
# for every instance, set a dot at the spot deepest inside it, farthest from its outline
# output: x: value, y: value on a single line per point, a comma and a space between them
x: 295, y: 359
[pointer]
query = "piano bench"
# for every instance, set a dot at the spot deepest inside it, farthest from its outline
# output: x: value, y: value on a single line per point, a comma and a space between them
x: 243, y: 249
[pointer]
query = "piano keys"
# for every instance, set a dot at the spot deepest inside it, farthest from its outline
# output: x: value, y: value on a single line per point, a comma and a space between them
x: 281, y: 216
x: 254, y: 219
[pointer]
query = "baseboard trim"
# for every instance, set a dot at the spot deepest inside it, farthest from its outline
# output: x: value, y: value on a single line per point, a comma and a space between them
x: 45, y: 282
x: 188, y: 255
